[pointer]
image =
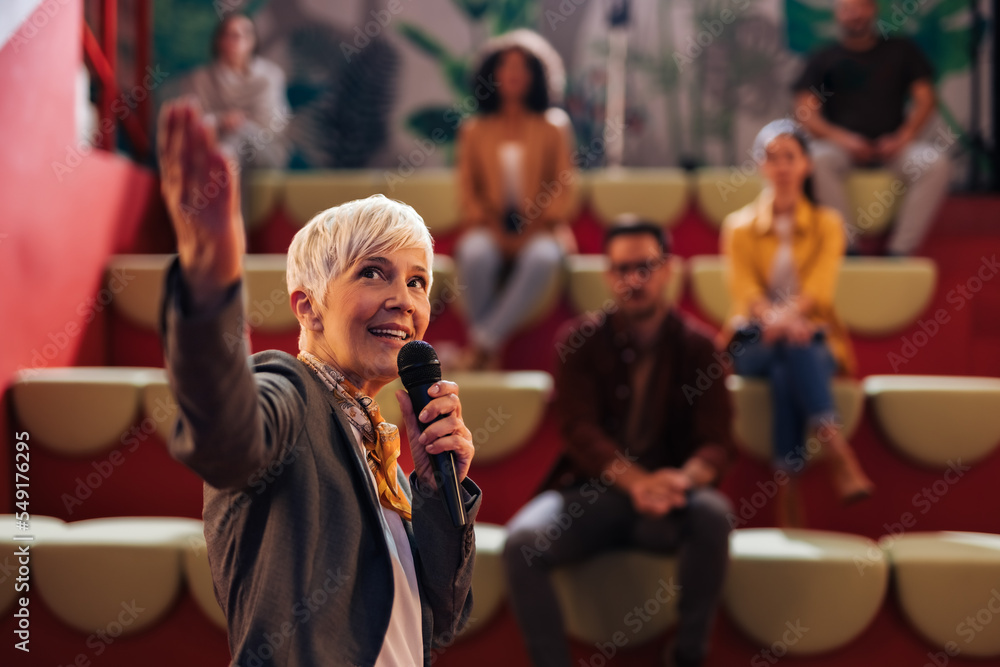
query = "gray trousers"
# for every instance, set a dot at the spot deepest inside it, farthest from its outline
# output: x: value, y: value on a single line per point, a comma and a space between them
x: 697, y: 533
x: 922, y: 166
x: 496, y: 311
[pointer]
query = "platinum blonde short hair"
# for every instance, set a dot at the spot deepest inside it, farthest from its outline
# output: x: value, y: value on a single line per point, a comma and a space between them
x: 339, y: 237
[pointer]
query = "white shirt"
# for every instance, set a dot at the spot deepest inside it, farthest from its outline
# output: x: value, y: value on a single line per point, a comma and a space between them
x: 511, y: 159
x: 784, y: 282
x: 404, y: 640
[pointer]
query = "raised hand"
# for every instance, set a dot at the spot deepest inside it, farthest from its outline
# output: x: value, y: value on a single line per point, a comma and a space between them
x: 201, y: 190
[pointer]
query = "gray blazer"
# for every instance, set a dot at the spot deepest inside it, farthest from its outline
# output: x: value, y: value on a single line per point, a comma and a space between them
x: 299, y: 561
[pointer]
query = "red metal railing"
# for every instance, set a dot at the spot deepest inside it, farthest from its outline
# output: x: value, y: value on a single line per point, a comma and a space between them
x: 102, y: 56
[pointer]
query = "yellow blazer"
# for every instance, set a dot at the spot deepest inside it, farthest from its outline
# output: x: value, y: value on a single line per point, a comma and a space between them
x: 750, y: 243
x: 548, y: 178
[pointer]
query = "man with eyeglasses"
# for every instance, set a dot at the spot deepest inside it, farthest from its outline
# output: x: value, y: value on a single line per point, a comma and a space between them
x: 645, y: 418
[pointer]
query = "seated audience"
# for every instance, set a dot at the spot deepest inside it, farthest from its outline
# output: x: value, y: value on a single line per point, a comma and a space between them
x: 642, y: 454
x: 516, y: 185
x: 861, y: 87
x: 243, y: 95
x: 783, y: 255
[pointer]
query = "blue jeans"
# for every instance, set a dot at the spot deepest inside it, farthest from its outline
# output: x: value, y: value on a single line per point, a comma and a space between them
x: 801, y: 395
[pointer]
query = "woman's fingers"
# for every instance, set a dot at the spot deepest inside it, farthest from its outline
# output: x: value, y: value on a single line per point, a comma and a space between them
x: 440, y: 429
x: 447, y: 404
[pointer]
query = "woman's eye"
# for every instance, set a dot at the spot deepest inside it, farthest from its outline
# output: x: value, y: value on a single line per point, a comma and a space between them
x: 418, y: 282
x: 370, y: 272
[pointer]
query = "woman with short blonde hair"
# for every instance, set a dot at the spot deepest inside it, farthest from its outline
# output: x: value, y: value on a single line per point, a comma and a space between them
x: 322, y: 551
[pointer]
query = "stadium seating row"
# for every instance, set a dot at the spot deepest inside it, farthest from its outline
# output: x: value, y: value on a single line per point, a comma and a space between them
x: 875, y: 297
x: 659, y: 195
x: 810, y: 591
x: 931, y: 420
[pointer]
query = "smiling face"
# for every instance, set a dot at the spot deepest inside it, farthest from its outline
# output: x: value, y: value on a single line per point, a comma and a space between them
x: 371, y: 310
x: 786, y: 164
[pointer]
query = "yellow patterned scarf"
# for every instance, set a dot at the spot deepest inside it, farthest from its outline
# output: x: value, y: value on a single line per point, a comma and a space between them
x: 380, y: 438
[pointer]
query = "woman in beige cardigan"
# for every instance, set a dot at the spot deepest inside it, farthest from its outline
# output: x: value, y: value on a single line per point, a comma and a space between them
x: 516, y: 183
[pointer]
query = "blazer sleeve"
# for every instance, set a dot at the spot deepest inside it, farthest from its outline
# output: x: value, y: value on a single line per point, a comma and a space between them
x: 446, y: 555
x: 819, y: 279
x: 563, y: 185
x: 472, y: 206
x: 588, y: 446
x: 232, y: 421
x: 741, y: 279
x: 712, y: 410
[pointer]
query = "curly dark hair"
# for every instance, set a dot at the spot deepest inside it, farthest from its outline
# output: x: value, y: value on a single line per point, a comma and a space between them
x: 537, y: 99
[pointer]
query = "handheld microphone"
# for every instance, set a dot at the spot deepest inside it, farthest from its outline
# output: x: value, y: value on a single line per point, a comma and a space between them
x: 419, y: 368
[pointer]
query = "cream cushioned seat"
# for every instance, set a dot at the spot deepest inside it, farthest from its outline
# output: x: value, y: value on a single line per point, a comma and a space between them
x: 874, y: 296
x: 589, y: 292
x: 802, y: 588
x: 867, y: 189
x: 159, y: 404
x: 752, y: 412
x: 194, y: 556
x: 501, y: 408
x: 309, y: 192
x: 657, y: 195
x: 948, y: 585
x: 136, y: 283
x: 118, y: 575
x: 267, y: 189
x: 706, y: 274
x: 40, y: 528
x: 444, y: 287
x: 721, y: 190
x: 78, y: 411
x: 266, y: 300
x: 489, y: 578
x: 433, y: 193
x: 598, y: 596
x: 935, y: 419
x: 878, y: 297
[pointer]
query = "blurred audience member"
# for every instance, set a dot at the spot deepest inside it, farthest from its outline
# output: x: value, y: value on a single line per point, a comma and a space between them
x: 243, y: 95
x: 516, y: 182
x: 861, y: 87
x: 644, y: 450
x: 783, y: 255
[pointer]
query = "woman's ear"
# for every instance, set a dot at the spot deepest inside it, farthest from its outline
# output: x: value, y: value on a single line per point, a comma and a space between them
x: 305, y: 313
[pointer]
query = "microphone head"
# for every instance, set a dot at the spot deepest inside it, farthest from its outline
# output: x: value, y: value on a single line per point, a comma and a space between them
x: 418, y: 364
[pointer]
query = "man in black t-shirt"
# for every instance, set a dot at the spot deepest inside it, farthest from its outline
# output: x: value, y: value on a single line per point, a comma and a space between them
x: 861, y: 86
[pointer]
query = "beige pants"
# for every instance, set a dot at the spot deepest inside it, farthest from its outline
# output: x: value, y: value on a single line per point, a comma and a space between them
x: 922, y: 166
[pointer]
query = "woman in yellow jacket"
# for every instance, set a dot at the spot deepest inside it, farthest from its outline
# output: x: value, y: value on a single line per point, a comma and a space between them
x: 783, y: 257
x: 516, y: 182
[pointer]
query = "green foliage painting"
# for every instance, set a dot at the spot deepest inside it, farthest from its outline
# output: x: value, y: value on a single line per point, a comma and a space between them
x: 486, y: 18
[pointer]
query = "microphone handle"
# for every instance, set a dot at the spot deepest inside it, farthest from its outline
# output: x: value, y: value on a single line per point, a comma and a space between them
x: 445, y: 473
